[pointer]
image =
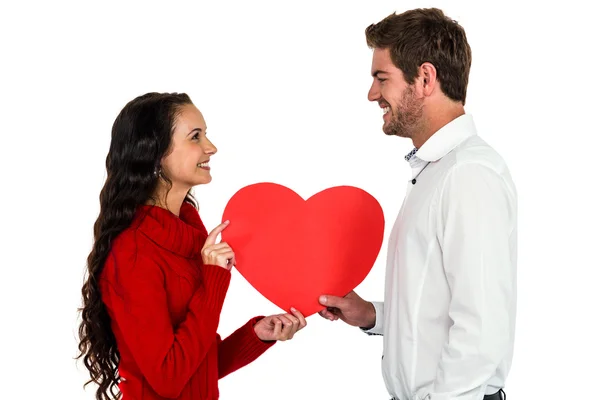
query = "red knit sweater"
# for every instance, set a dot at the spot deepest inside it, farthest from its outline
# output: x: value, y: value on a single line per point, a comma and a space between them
x: 164, y: 307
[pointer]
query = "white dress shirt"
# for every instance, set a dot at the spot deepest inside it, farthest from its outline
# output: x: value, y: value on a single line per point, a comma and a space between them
x: 448, y: 318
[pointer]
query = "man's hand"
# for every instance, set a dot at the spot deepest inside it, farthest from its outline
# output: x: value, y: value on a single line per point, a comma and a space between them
x: 351, y: 309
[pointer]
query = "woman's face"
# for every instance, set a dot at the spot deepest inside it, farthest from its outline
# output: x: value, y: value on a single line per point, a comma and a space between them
x: 186, y: 162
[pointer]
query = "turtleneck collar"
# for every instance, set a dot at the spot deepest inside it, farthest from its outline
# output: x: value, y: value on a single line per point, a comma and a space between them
x: 184, y: 235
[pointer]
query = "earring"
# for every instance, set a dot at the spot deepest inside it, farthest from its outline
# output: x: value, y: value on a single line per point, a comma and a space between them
x: 157, y: 172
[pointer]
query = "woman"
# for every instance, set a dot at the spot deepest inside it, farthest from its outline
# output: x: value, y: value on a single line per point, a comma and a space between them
x: 156, y: 279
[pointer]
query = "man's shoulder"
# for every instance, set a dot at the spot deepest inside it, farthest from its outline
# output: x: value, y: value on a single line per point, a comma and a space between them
x: 475, y: 156
x: 475, y: 150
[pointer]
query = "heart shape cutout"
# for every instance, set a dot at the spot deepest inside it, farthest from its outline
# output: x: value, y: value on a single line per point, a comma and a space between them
x: 292, y: 251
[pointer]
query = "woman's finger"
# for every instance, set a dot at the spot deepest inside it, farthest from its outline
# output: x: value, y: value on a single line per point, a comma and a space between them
x: 218, y: 246
x: 212, y: 236
x: 288, y: 325
x: 300, y: 317
x: 277, y: 327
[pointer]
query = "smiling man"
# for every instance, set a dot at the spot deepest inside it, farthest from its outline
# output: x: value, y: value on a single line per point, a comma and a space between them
x: 448, y: 318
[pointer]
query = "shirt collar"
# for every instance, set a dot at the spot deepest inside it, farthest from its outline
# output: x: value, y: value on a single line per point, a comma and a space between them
x: 445, y: 139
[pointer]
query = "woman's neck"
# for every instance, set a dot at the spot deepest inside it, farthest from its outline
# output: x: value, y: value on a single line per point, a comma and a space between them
x: 170, y: 200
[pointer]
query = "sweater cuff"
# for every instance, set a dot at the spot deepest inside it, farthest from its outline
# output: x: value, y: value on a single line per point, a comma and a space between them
x: 250, y: 345
x: 216, y: 283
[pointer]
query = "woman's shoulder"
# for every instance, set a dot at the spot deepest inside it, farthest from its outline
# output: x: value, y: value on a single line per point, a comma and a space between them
x: 129, y: 250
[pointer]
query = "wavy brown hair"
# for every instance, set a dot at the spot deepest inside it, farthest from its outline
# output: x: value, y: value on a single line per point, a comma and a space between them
x: 141, y: 137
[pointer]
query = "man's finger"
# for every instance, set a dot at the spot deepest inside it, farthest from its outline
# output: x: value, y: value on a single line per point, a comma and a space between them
x: 352, y: 295
x: 334, y: 301
x: 212, y: 236
x: 328, y: 315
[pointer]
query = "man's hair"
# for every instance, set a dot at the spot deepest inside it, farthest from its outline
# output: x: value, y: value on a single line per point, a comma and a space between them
x: 426, y: 35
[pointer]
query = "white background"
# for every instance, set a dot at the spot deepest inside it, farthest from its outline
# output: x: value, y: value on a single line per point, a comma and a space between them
x: 283, y: 87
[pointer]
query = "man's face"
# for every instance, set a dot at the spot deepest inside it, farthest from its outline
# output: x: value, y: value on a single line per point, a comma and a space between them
x: 403, y: 111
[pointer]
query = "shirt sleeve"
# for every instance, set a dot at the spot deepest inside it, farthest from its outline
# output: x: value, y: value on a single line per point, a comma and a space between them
x: 134, y: 294
x: 240, y: 348
x: 476, y: 232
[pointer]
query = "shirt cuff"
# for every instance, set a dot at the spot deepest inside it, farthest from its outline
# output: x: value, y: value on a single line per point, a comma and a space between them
x: 378, y: 328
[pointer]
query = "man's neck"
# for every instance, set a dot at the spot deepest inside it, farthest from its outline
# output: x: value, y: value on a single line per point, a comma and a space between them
x: 436, y: 119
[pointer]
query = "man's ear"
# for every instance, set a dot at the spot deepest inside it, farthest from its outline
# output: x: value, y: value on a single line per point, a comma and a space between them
x: 428, y: 75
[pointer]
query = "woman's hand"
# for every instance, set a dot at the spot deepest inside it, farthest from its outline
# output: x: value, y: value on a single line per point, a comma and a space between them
x: 279, y: 327
x: 218, y: 254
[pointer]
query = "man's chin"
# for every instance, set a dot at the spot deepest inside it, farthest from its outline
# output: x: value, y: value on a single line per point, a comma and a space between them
x: 389, y: 129
x: 394, y: 131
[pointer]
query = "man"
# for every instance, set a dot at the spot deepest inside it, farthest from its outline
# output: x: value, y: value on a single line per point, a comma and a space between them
x: 448, y: 318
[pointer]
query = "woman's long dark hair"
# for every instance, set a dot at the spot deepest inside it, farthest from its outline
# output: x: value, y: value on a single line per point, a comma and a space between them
x: 141, y: 137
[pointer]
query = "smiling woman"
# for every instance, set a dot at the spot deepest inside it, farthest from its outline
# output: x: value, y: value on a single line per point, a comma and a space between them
x: 187, y: 161
x: 156, y: 278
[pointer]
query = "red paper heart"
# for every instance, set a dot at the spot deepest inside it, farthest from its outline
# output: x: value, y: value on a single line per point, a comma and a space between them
x: 292, y: 251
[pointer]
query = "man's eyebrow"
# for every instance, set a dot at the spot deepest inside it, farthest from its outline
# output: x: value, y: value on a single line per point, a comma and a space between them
x: 374, y: 74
